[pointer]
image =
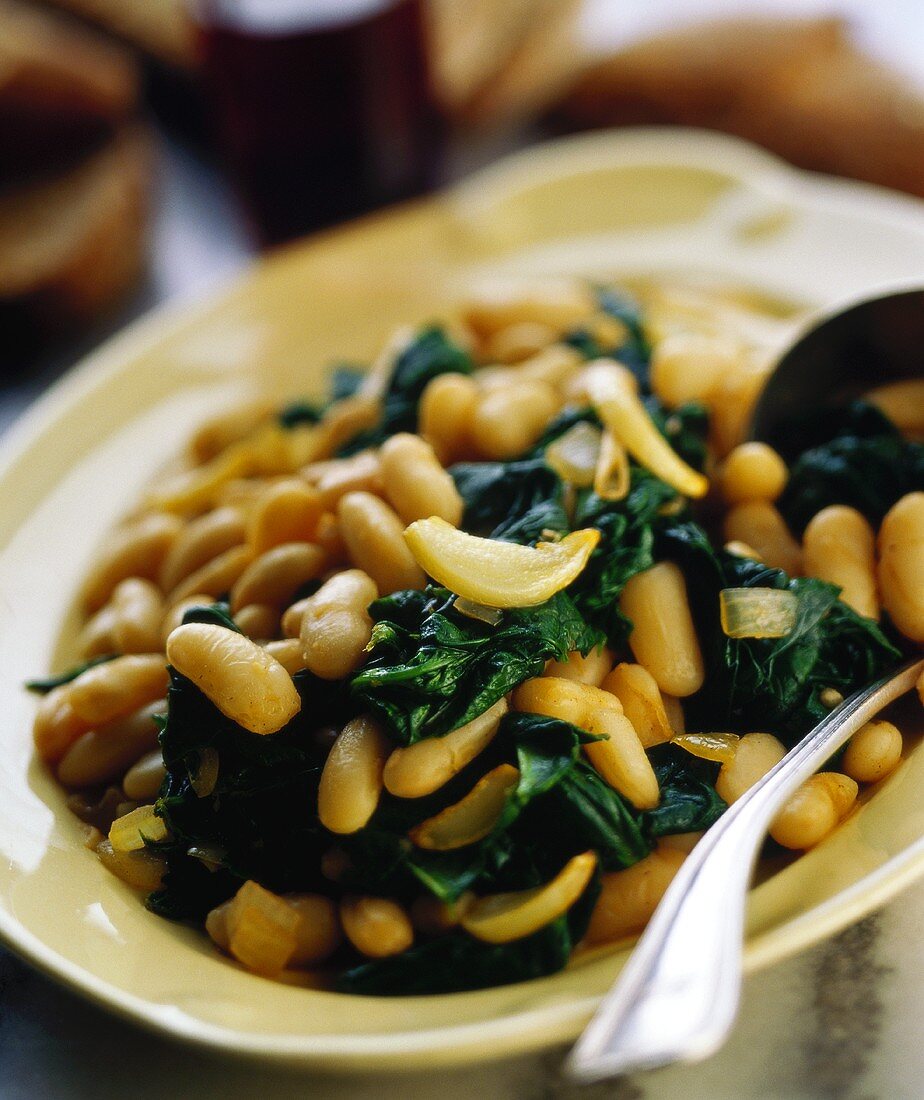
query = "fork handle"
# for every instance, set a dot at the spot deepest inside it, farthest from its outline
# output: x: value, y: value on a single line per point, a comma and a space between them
x: 677, y: 997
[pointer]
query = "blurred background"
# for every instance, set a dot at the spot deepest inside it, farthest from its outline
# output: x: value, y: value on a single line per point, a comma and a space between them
x: 149, y: 148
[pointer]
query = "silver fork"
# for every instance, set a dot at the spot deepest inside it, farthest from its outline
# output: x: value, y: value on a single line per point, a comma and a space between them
x: 677, y: 997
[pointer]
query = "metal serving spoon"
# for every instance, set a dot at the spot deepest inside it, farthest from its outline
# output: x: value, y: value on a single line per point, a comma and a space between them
x: 677, y: 997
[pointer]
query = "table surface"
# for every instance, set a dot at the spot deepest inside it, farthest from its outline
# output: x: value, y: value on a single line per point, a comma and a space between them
x: 841, y: 1020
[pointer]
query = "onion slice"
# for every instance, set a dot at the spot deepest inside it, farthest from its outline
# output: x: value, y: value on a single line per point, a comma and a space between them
x: 203, y: 782
x: 130, y: 832
x: 495, y: 573
x: 262, y: 929
x: 574, y: 456
x: 612, y: 476
x: 720, y: 747
x: 503, y: 918
x: 758, y: 612
x: 489, y: 615
x: 470, y: 819
x: 623, y: 413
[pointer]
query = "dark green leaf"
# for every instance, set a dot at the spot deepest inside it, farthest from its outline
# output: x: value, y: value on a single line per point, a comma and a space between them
x: 457, y: 962
x: 432, y: 352
x: 685, y: 428
x: 512, y: 501
x: 626, y: 548
x: 634, y: 351
x: 260, y: 814
x: 299, y: 412
x: 588, y: 812
x: 216, y: 614
x: 49, y: 683
x: 425, y: 679
x: 866, y: 464
x: 547, y: 749
x: 689, y: 802
x: 345, y: 381
x: 191, y: 889
x: 771, y: 683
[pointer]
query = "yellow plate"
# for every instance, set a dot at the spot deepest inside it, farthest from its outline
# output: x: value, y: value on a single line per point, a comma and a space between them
x: 638, y: 203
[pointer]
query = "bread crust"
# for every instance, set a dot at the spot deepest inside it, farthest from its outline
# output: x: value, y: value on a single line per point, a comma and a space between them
x: 800, y: 87
x: 470, y: 43
x: 63, y: 88
x: 161, y: 28
x: 72, y: 246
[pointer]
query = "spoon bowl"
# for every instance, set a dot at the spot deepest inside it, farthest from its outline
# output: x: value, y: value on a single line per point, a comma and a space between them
x: 845, y: 354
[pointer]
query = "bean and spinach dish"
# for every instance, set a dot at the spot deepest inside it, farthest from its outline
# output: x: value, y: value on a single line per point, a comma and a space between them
x: 424, y: 687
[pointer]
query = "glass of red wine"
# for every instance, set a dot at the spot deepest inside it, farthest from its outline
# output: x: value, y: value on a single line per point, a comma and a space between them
x: 323, y: 108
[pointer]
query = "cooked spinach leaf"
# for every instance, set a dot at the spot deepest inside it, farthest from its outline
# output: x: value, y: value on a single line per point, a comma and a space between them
x: 772, y: 683
x: 588, y: 812
x: 432, y: 352
x: 249, y: 817
x: 546, y: 750
x: 512, y: 501
x: 689, y: 801
x: 49, y: 683
x: 345, y: 381
x: 299, y: 412
x: 426, y: 677
x: 812, y: 428
x: 865, y: 463
x: 686, y: 429
x: 191, y: 888
x: 216, y: 614
x: 634, y: 351
x: 625, y: 548
x: 548, y: 756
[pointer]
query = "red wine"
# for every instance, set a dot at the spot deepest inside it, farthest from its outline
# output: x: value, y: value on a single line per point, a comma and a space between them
x: 324, y: 108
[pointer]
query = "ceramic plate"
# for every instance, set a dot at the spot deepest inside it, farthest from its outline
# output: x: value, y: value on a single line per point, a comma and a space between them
x: 633, y: 204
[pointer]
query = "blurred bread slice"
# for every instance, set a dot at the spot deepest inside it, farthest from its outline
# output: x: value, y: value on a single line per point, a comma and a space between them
x: 72, y: 245
x: 160, y: 28
x: 471, y: 41
x: 62, y: 87
x: 799, y: 87
x: 696, y: 73
x: 849, y: 115
x: 545, y: 63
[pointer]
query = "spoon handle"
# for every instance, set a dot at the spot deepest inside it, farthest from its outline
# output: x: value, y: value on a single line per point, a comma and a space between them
x: 677, y: 996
